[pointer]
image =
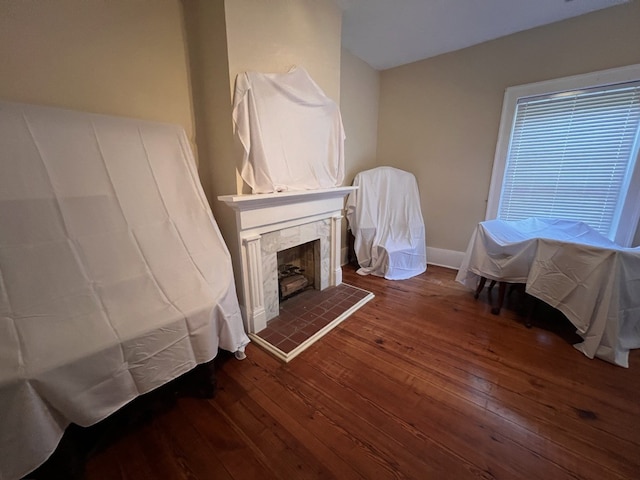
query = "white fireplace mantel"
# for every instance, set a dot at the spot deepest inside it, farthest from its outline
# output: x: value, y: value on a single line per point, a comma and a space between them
x: 260, y: 211
x: 260, y: 214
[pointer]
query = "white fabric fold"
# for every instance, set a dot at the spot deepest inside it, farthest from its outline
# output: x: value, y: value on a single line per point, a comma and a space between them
x: 114, y: 277
x: 290, y: 131
x: 385, y: 218
x: 571, y: 267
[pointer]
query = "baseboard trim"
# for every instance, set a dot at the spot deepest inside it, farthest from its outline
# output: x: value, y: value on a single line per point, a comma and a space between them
x: 435, y: 256
x: 444, y: 258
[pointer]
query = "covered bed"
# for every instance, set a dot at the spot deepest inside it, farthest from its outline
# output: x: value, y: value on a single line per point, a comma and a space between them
x: 114, y: 278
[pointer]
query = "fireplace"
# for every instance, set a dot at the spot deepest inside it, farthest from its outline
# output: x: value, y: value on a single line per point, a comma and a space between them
x: 284, y: 243
x: 297, y: 269
x: 275, y: 222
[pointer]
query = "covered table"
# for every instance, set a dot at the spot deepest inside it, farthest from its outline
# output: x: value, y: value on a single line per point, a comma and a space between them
x: 571, y: 267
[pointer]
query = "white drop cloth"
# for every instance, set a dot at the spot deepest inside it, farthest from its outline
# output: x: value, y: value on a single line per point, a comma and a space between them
x: 573, y: 268
x: 290, y: 130
x: 114, y: 278
x: 385, y: 218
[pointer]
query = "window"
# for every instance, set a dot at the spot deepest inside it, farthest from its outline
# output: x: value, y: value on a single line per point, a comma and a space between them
x: 568, y: 149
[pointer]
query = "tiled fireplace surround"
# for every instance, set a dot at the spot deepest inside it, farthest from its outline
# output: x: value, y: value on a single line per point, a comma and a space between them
x: 269, y: 223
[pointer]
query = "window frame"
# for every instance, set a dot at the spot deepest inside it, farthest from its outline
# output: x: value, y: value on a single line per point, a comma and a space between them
x: 630, y: 210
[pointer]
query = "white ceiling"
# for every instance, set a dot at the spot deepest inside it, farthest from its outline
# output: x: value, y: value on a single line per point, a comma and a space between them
x: 388, y: 33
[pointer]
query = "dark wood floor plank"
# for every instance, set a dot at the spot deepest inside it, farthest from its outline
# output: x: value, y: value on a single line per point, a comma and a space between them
x: 458, y: 424
x: 343, y: 432
x: 132, y: 458
x: 286, y: 455
x: 431, y: 457
x: 208, y: 441
x: 422, y: 382
x: 480, y: 412
x: 506, y: 381
x: 614, y: 447
x: 608, y: 379
x: 302, y: 421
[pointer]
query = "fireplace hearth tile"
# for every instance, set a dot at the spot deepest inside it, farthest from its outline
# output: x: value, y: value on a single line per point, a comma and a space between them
x: 307, y: 316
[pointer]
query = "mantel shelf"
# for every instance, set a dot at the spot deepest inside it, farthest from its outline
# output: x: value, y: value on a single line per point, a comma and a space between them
x: 264, y: 200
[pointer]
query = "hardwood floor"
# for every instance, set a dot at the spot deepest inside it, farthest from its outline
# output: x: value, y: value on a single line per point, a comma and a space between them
x: 422, y: 382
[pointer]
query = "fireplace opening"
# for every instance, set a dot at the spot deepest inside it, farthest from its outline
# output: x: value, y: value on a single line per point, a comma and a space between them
x: 297, y: 269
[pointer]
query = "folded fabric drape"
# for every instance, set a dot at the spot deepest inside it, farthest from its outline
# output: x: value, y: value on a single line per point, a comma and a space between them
x: 385, y: 218
x: 114, y: 277
x: 290, y: 131
x: 570, y: 266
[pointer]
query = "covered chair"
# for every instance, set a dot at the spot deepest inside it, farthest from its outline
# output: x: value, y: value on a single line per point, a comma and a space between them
x: 385, y: 218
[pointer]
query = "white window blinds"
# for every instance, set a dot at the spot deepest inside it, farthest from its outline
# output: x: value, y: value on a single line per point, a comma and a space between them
x: 571, y: 155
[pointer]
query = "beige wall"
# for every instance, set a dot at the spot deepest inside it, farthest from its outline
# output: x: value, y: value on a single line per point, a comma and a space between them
x: 119, y: 57
x: 209, y: 72
x: 272, y: 36
x: 229, y: 37
x: 439, y: 117
x: 359, y: 94
x: 209, y: 67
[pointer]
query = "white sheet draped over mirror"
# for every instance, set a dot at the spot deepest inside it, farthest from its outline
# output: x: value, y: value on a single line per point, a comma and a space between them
x: 291, y: 132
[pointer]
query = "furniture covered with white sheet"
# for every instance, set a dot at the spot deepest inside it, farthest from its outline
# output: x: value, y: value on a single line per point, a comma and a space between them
x: 114, y: 278
x: 290, y: 131
x: 385, y: 218
x: 571, y: 267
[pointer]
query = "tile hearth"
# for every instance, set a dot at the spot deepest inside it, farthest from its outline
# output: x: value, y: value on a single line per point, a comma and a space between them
x: 306, y: 317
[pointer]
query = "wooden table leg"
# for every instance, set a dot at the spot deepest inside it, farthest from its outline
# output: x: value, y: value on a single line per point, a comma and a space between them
x: 502, y: 288
x: 530, y: 311
x: 483, y: 280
